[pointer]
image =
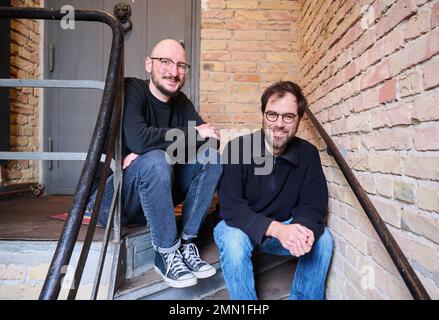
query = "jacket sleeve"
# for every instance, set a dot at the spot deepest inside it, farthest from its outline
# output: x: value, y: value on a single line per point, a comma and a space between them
x: 234, y: 208
x: 139, y: 136
x: 312, y: 206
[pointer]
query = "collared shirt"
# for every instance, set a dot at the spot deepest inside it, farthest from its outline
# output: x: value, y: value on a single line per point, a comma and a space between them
x: 295, y: 187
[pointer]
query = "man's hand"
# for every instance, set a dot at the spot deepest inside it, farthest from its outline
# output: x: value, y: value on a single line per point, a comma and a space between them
x: 207, y: 130
x: 128, y: 159
x: 294, y: 237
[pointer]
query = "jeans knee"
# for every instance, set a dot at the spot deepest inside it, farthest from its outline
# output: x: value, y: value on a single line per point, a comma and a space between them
x: 326, y: 241
x: 234, y: 245
x: 155, y: 164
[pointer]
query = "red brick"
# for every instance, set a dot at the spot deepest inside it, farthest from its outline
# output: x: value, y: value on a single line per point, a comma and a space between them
x: 242, y: 4
x: 247, y: 77
x: 431, y: 74
x: 241, y: 25
x: 217, y: 14
x: 388, y: 91
x: 364, y: 43
x: 281, y: 15
x: 417, y: 25
x: 275, y: 25
x: 215, y: 4
x: 247, y: 118
x: 215, y: 55
x: 241, y: 67
x: 425, y: 108
x: 433, y: 43
x: 235, y: 46
x: 401, y: 115
x: 410, y: 84
x: 393, y: 41
x: 426, y: 139
x: 435, y: 15
x: 398, y: 12
x: 375, y: 75
x: 249, y: 35
x: 215, y: 34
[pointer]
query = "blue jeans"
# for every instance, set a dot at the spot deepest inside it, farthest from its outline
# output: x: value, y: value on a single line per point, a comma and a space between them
x: 236, y: 249
x: 151, y: 189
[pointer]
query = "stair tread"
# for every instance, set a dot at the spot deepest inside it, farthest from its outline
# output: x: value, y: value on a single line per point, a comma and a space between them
x: 272, y: 284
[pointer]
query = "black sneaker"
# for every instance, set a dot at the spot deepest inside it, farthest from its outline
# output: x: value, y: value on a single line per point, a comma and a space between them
x: 198, y: 267
x: 173, y: 270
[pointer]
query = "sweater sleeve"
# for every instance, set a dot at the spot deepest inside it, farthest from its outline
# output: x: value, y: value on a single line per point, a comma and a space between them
x: 312, y: 206
x: 139, y: 136
x: 234, y: 207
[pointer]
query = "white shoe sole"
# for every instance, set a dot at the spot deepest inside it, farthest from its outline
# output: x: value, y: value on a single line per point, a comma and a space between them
x: 177, y: 283
x: 204, y: 274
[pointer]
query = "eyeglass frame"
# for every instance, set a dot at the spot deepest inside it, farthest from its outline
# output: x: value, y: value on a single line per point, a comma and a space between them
x: 186, y: 67
x: 295, y: 116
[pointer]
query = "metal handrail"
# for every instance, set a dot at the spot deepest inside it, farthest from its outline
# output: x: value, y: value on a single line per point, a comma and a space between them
x: 113, y: 84
x: 402, y: 264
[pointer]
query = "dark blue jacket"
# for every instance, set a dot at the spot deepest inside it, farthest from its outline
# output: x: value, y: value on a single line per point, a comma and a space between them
x: 295, y: 188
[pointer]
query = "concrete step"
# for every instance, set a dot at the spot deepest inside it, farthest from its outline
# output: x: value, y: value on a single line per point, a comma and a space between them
x: 271, y: 284
x: 149, y: 285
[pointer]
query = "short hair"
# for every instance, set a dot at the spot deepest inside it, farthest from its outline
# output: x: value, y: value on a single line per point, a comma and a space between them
x: 279, y: 89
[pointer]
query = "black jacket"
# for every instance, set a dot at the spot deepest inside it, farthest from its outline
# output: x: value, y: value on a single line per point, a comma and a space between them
x: 295, y: 188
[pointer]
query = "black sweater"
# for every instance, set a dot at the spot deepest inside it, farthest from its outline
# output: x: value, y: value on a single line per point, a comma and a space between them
x: 146, y: 119
x: 295, y: 188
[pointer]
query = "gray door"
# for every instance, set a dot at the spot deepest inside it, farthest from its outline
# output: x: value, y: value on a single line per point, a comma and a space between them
x: 82, y: 54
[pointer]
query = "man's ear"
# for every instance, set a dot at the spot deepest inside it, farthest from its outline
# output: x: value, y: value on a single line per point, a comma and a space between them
x: 148, y: 64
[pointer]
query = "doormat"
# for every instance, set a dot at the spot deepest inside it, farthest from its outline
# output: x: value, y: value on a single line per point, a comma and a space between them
x: 63, y: 217
x: 87, y: 216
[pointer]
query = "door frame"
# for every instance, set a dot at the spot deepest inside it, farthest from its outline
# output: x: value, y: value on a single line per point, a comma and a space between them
x: 195, y: 21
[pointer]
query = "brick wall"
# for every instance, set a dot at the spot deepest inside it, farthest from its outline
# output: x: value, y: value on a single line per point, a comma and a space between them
x: 370, y: 70
x: 245, y: 46
x: 25, y: 61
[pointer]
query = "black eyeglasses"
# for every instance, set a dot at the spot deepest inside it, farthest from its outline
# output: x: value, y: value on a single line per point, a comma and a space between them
x: 286, y: 117
x: 167, y: 64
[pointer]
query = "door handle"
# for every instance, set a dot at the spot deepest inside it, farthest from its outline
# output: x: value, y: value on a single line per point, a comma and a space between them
x: 50, y: 166
x: 51, y: 57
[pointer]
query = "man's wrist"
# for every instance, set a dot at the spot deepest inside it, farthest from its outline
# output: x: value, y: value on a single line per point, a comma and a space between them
x: 273, y: 228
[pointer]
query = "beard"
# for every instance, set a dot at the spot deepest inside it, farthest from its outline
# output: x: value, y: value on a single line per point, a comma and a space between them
x: 279, y: 137
x: 162, y: 88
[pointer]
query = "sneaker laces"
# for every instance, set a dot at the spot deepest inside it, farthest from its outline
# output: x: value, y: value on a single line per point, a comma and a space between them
x: 191, y: 254
x: 174, y: 260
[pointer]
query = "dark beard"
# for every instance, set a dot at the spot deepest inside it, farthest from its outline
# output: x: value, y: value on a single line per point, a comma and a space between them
x: 164, y: 90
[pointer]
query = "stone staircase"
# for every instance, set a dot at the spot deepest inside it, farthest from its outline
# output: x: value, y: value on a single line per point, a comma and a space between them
x: 273, y: 274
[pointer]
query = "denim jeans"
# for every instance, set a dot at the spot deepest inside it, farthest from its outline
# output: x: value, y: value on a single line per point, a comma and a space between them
x: 236, y: 249
x: 152, y: 187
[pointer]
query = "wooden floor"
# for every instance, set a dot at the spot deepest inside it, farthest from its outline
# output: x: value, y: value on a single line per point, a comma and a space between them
x: 27, y: 218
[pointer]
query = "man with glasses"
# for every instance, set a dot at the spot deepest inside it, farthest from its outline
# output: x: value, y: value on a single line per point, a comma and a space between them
x: 152, y: 183
x: 281, y: 212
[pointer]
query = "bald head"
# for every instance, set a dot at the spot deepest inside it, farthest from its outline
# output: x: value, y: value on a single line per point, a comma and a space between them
x: 167, y: 77
x: 169, y: 48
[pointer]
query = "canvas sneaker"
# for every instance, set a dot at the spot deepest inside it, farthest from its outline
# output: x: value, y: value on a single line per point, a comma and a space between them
x: 198, y: 267
x: 173, y: 270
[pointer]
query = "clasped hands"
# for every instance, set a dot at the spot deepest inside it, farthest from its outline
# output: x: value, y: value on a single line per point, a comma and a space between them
x: 294, y: 237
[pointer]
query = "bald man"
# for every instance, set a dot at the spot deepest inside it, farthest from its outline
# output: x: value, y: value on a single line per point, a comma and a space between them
x: 152, y: 184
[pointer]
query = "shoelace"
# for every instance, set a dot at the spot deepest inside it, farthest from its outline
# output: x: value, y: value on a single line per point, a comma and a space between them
x: 191, y: 254
x: 174, y: 260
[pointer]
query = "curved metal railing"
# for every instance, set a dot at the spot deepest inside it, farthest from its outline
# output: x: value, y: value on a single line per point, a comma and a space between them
x: 402, y: 264
x: 109, y: 113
